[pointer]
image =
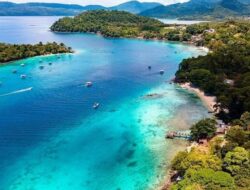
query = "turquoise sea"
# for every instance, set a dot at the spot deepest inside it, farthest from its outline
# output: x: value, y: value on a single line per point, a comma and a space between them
x: 52, y: 139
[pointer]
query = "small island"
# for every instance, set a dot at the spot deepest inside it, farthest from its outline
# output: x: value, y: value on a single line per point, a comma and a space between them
x: 109, y: 24
x: 13, y: 52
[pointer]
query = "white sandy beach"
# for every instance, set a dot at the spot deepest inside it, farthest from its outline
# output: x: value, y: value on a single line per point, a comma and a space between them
x: 209, y: 101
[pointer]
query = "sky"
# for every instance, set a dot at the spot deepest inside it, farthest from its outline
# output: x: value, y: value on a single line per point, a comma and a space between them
x: 92, y: 2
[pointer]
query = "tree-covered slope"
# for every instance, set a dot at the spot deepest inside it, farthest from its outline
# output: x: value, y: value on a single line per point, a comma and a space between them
x: 108, y: 23
x: 12, y: 52
x: 198, y: 9
x: 225, y: 72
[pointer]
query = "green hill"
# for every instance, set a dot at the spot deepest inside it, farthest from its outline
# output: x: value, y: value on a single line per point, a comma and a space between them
x: 108, y: 23
x: 201, y: 9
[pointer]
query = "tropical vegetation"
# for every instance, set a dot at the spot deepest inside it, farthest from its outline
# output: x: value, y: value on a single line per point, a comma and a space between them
x: 225, y: 71
x: 108, y: 23
x: 12, y: 52
x: 224, y: 164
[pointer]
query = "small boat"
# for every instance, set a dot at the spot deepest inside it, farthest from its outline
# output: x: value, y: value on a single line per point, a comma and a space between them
x: 23, y: 76
x: 162, y: 72
x: 14, y: 71
x: 96, y: 105
x: 41, y: 67
x: 50, y: 63
x: 88, y: 84
x: 149, y: 67
x: 22, y: 65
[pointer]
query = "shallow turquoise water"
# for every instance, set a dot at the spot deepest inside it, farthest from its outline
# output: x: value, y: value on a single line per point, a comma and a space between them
x: 51, y: 138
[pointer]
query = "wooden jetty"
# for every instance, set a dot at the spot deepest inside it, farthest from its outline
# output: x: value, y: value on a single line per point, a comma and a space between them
x: 178, y: 134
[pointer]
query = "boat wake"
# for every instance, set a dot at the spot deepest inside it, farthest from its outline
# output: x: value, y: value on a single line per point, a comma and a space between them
x: 17, y: 91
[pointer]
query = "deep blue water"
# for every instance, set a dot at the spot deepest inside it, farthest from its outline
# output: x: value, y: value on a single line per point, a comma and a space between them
x: 51, y: 138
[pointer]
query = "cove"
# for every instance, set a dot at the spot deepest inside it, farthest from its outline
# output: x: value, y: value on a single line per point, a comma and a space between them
x: 51, y: 138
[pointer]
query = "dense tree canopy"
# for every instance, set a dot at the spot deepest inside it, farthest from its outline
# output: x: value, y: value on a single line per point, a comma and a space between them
x: 108, y: 23
x: 203, y: 129
x: 9, y: 52
x: 207, y: 179
x: 225, y: 72
x: 236, y: 160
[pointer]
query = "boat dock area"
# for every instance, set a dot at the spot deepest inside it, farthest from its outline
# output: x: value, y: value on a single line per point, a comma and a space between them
x: 178, y: 134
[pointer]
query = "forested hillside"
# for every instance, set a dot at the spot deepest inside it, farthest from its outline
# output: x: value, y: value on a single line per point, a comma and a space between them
x: 108, y: 23
x: 225, y: 72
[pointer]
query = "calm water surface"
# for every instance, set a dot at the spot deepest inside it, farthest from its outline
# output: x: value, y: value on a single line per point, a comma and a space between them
x: 51, y: 138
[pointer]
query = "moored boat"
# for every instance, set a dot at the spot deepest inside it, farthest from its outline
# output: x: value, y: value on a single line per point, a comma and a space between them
x: 88, y: 84
x: 23, y: 76
x: 96, y: 105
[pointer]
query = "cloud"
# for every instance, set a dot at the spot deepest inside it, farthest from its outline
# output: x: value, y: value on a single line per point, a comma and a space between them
x: 100, y: 2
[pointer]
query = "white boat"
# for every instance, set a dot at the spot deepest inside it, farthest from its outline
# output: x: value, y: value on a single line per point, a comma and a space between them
x: 96, y: 105
x: 22, y: 64
x: 23, y: 76
x: 88, y: 84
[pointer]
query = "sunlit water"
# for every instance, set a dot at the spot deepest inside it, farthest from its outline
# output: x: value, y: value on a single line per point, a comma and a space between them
x: 52, y: 139
x: 176, y: 21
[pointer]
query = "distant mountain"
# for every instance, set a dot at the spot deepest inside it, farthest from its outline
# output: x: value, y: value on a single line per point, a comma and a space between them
x: 56, y: 9
x: 43, y: 9
x: 200, y: 9
x: 135, y: 6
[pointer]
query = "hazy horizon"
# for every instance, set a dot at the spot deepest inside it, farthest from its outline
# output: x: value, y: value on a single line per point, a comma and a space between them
x: 94, y: 2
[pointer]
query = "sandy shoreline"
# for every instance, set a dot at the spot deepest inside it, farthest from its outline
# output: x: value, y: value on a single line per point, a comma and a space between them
x: 208, y: 101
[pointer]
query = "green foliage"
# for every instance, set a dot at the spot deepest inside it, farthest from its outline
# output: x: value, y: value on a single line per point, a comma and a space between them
x: 200, y: 9
x: 237, y: 135
x: 197, y: 28
x: 14, y: 52
x: 236, y: 160
x: 228, y: 61
x: 108, y: 23
x: 195, y: 160
x: 208, y: 179
x: 177, y: 161
x: 203, y: 129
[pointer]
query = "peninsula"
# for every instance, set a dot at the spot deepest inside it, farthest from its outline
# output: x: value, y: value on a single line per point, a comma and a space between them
x: 13, y: 52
